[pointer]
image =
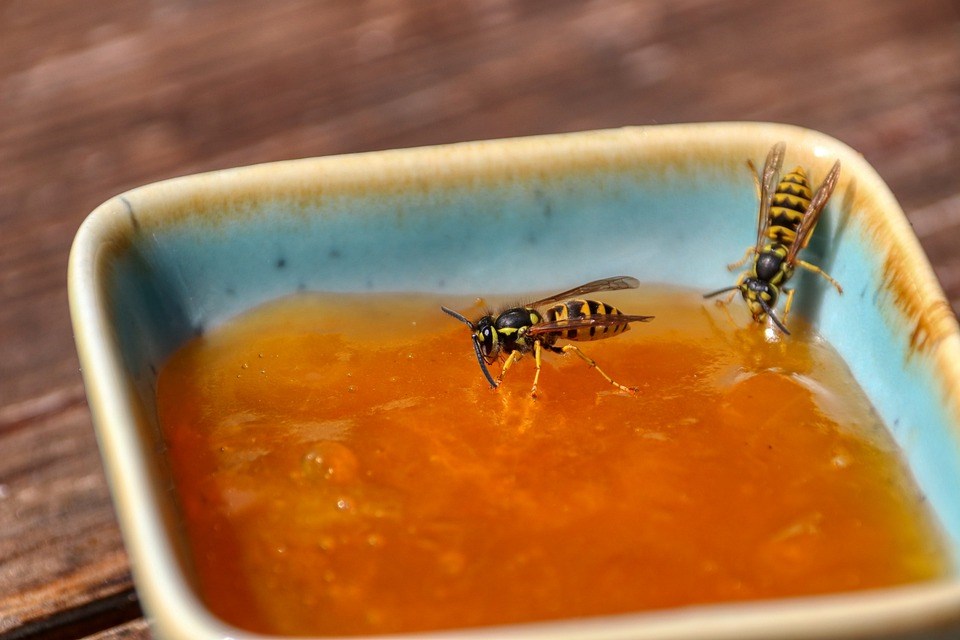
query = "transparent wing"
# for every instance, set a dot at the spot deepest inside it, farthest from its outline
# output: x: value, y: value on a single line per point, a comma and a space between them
x: 601, y: 320
x: 812, y: 214
x: 605, y: 284
x: 768, y: 186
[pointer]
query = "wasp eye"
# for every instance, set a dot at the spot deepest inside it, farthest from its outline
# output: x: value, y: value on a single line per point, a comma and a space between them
x: 487, y: 338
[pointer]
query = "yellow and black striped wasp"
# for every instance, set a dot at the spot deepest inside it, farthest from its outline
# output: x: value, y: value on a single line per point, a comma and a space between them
x: 786, y: 218
x: 523, y: 329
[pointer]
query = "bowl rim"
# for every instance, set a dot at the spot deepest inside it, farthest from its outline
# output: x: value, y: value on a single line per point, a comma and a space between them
x: 175, y: 611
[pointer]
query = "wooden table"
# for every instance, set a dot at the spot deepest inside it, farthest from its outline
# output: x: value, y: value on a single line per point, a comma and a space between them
x: 98, y: 97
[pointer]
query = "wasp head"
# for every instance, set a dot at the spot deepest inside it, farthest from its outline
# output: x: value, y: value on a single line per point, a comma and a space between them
x: 486, y: 338
x: 486, y: 343
x: 761, y: 298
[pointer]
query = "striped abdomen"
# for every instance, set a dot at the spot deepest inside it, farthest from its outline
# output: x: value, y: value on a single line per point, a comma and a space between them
x: 574, y: 309
x: 790, y: 200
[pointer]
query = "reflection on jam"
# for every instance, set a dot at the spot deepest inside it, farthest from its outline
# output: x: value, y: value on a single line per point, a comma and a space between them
x: 343, y: 468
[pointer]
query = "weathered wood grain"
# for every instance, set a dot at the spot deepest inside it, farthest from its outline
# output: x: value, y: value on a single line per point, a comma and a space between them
x: 134, y: 630
x: 59, y: 542
x: 101, y: 96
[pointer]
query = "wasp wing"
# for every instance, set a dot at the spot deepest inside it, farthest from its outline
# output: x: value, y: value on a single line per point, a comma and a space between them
x: 599, y: 320
x: 810, y: 217
x: 768, y: 186
x: 605, y: 284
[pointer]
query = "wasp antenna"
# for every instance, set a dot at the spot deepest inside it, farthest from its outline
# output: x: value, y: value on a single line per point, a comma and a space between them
x: 719, y: 291
x: 456, y: 315
x: 483, y: 363
x: 773, y: 316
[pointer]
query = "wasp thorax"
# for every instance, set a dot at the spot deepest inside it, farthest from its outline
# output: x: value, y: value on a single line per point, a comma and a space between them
x: 768, y: 265
x: 516, y: 319
x: 512, y: 326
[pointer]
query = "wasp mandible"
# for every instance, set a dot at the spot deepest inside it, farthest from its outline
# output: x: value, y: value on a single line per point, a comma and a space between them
x: 786, y: 218
x: 519, y: 330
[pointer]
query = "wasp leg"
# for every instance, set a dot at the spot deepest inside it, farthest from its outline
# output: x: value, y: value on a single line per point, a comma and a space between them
x: 724, y: 302
x: 536, y: 375
x: 756, y: 178
x: 815, y: 269
x: 568, y: 348
x: 787, y: 305
x: 733, y: 266
x: 725, y: 305
x: 751, y: 251
x: 511, y: 359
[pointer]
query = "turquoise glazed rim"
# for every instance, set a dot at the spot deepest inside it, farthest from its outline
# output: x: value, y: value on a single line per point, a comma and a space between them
x: 152, y: 267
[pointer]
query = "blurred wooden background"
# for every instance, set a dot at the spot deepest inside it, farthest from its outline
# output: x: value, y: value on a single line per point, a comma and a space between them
x: 100, y: 96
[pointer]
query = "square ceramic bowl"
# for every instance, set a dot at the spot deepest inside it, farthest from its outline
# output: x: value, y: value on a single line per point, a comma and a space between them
x: 152, y: 267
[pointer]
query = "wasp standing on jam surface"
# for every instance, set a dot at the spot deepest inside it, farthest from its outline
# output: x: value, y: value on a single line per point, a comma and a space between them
x: 786, y: 219
x: 524, y: 329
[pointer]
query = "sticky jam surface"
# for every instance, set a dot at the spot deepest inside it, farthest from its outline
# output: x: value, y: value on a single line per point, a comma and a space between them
x: 343, y: 467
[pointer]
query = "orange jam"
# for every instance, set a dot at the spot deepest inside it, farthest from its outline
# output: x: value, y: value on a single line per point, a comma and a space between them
x: 343, y: 467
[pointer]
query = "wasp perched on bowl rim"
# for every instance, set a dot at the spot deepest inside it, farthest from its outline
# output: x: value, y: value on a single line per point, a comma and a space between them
x: 786, y: 218
x: 518, y: 330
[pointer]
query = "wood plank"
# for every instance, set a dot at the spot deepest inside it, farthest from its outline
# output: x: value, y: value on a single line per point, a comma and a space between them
x: 59, y: 540
x: 118, y: 613
x: 134, y: 630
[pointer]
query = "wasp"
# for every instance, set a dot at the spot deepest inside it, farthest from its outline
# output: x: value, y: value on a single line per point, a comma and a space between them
x: 523, y: 329
x: 786, y: 218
